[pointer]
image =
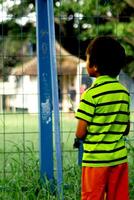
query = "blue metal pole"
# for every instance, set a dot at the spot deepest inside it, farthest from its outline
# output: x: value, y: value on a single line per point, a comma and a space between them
x: 55, y: 103
x: 45, y: 89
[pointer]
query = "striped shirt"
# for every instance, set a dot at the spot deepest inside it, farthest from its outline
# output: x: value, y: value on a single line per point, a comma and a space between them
x: 105, y: 106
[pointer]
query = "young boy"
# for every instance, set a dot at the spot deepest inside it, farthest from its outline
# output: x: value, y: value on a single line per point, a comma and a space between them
x: 103, y: 120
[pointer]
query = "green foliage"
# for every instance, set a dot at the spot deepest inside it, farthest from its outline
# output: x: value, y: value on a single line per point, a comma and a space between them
x: 14, y: 37
x: 104, y: 17
x: 89, y: 19
x: 81, y: 20
x: 22, y: 9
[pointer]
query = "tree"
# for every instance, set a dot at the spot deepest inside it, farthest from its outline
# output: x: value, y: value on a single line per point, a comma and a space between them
x: 76, y: 23
x: 82, y: 20
x: 17, y: 33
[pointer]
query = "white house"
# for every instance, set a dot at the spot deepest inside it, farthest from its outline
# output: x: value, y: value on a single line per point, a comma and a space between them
x: 20, y: 92
x: 7, y: 91
x: 26, y: 87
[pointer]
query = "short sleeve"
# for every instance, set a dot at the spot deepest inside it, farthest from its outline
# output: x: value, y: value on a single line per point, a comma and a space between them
x: 86, y: 107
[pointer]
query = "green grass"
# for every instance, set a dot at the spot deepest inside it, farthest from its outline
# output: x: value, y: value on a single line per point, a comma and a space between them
x: 22, y: 181
x: 19, y: 165
x: 17, y: 128
x: 20, y: 171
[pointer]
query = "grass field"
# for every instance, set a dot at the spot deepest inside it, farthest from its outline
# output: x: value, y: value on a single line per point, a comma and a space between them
x: 17, y: 128
x: 20, y: 132
x: 19, y: 165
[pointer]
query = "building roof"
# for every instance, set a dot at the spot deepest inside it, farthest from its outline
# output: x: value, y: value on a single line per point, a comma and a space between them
x: 27, y: 68
x: 66, y: 64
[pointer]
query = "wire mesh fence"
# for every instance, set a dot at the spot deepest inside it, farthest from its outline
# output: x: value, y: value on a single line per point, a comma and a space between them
x: 18, y: 87
x: 19, y: 132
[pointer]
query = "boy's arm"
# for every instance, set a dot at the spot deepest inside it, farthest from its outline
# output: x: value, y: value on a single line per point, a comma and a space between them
x: 81, y: 129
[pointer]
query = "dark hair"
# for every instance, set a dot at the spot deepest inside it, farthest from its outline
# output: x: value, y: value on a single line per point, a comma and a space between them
x: 107, y: 54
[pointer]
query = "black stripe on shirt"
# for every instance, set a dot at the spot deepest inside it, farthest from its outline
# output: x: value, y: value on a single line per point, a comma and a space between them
x: 105, y: 151
x: 100, y: 142
x: 112, y: 103
x: 104, y: 161
x: 112, y: 113
x: 110, y: 92
x: 84, y: 112
x: 108, y: 123
x: 105, y: 133
x: 88, y: 103
x: 105, y: 83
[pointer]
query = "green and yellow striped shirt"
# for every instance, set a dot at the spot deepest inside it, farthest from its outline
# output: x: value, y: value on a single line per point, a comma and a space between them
x: 105, y: 106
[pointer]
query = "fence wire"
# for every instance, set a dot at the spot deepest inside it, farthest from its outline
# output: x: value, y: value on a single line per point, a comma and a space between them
x: 19, y: 132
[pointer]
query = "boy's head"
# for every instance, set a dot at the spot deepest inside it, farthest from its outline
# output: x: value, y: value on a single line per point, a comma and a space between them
x: 105, y: 56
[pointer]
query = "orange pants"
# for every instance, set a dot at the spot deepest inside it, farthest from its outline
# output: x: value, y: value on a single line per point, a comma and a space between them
x: 105, y: 183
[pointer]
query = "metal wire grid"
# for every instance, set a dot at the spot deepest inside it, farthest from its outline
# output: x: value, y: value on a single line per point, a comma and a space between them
x: 22, y: 132
x: 17, y: 128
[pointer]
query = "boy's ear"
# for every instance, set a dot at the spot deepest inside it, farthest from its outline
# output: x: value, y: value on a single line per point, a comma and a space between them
x: 96, y: 71
x: 95, y: 68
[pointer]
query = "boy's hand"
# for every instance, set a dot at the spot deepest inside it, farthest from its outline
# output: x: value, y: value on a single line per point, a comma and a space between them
x: 76, y: 143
